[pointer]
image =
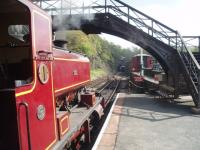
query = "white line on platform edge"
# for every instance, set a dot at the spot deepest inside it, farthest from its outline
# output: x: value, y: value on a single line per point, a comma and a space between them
x: 105, y: 125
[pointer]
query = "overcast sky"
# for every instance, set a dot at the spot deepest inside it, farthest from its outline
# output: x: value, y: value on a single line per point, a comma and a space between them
x: 181, y: 15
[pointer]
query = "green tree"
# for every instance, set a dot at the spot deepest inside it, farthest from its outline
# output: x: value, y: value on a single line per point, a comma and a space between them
x: 103, y: 55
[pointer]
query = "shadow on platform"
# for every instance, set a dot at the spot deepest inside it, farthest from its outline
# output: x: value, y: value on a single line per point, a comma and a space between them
x: 142, y: 106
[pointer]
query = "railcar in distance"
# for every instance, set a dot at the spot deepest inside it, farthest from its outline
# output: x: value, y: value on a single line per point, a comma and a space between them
x: 140, y: 62
x: 145, y: 71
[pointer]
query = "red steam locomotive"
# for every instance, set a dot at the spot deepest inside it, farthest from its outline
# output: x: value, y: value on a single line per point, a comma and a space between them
x: 38, y: 83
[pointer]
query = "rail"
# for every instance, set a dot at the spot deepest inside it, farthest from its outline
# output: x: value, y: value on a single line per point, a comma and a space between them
x: 98, y: 82
x: 108, y: 90
x: 66, y: 138
x: 133, y: 84
x: 114, y: 91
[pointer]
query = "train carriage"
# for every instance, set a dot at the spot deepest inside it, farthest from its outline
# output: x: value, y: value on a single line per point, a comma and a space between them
x: 145, y: 72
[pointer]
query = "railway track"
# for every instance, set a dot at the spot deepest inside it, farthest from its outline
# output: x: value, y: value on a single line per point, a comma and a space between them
x: 108, y: 91
x: 98, y: 83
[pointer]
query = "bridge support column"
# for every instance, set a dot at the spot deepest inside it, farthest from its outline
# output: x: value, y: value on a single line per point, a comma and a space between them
x: 198, y: 103
x: 199, y: 44
x: 196, y: 110
x: 176, y: 85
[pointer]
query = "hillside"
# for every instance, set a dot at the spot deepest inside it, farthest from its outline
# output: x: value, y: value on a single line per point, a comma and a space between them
x: 104, y: 56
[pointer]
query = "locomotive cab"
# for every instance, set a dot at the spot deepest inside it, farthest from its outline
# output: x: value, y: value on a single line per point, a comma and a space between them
x: 15, y: 45
x: 33, y: 76
x: 15, y: 66
x: 25, y: 69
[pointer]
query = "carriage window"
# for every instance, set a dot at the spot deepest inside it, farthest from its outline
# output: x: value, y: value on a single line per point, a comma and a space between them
x: 19, y: 32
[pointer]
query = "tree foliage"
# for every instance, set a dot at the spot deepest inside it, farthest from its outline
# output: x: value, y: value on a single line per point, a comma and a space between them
x: 102, y: 54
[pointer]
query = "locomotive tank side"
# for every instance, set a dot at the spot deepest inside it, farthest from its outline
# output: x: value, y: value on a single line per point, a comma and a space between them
x: 70, y: 71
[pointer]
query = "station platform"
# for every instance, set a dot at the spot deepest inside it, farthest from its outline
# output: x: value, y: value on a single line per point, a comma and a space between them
x: 140, y: 122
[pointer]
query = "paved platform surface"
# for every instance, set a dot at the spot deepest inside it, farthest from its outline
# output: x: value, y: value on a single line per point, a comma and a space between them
x: 139, y: 122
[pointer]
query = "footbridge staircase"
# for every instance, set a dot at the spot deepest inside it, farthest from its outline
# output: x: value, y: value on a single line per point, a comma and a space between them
x: 118, y: 18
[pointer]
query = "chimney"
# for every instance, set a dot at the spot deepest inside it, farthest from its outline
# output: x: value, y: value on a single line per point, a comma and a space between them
x: 60, y: 39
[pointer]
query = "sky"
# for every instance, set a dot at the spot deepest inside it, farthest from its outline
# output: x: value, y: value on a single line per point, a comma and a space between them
x: 181, y: 15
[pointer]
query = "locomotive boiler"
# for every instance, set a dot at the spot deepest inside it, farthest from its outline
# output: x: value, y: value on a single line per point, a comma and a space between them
x: 38, y: 82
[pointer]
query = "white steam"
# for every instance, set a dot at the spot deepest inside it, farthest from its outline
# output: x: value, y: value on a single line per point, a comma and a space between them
x: 72, y: 14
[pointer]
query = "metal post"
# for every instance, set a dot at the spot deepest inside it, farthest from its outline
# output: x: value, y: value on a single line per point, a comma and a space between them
x: 70, y: 7
x: 177, y: 42
x: 176, y: 85
x: 169, y: 42
x: 83, y: 9
x: 152, y: 27
x: 198, y: 103
x: 61, y: 7
x: 128, y: 15
x: 199, y: 44
x: 40, y: 4
x: 105, y: 6
x: 142, y: 62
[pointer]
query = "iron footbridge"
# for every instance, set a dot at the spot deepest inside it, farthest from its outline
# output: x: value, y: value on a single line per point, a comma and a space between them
x: 120, y: 19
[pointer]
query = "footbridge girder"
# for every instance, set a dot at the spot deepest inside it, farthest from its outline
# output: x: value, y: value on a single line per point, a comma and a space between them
x: 110, y: 24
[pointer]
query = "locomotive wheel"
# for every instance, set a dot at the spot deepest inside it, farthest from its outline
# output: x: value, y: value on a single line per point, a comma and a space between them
x: 195, y: 110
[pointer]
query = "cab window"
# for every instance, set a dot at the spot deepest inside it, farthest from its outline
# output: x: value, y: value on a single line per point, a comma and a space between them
x: 16, y: 67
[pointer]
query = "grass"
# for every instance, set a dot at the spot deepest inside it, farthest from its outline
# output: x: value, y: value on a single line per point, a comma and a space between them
x: 96, y: 73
